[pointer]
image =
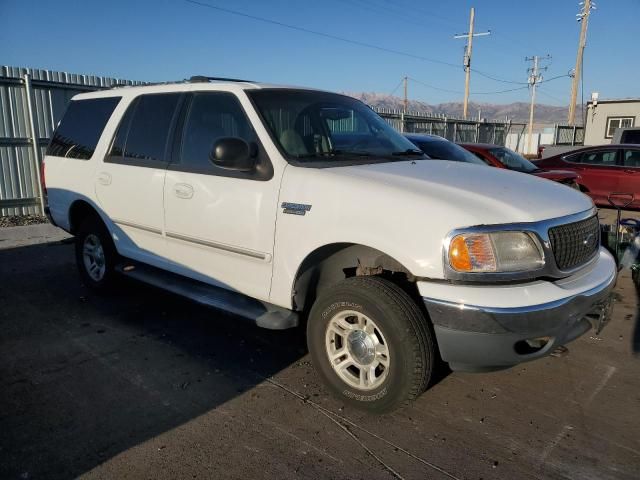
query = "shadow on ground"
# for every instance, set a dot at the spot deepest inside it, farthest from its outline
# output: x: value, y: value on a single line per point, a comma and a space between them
x: 84, y: 377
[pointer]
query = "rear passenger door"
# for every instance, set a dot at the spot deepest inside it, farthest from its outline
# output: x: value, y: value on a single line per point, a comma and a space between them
x: 599, y: 170
x: 130, y: 182
x: 220, y: 223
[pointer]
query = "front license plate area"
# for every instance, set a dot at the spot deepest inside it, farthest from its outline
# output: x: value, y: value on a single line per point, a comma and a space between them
x: 601, y: 314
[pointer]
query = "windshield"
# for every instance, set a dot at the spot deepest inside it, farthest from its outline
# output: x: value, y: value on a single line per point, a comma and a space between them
x: 513, y: 160
x: 313, y: 127
x: 442, y: 149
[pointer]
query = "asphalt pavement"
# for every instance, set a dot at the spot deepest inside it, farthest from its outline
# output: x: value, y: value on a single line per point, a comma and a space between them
x: 144, y: 384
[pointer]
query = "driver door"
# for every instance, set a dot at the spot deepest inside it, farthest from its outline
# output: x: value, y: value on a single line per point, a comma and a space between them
x: 219, y: 223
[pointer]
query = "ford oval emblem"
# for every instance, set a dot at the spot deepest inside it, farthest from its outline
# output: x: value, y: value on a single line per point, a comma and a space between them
x: 588, y: 240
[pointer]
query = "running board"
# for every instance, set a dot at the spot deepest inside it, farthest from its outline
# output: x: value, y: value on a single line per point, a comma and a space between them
x: 265, y: 315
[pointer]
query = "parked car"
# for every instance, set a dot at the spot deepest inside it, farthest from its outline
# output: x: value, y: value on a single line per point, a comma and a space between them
x: 603, y: 169
x: 439, y: 148
x: 503, y: 157
x: 235, y: 195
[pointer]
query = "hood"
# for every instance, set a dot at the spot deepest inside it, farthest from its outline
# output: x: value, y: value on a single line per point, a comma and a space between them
x: 481, y: 194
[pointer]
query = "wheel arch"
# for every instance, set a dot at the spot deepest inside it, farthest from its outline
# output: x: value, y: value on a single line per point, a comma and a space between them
x: 329, y: 264
x: 79, y: 211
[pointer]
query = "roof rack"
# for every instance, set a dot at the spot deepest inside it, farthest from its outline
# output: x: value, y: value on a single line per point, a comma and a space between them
x: 205, y: 79
x: 193, y: 79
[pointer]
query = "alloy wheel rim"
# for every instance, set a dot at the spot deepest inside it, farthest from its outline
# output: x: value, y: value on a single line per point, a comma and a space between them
x: 93, y: 257
x: 357, y: 350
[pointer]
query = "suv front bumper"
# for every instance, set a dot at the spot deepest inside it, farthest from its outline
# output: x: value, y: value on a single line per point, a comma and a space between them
x: 491, y: 327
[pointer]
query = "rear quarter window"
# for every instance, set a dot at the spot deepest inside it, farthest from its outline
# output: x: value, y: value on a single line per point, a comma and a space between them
x: 81, y: 128
x: 630, y: 136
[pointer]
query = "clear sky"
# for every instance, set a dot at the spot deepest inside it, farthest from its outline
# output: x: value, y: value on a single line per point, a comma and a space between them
x: 173, y: 39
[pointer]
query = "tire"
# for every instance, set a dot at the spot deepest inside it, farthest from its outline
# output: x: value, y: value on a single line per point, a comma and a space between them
x: 390, y: 343
x: 96, y: 256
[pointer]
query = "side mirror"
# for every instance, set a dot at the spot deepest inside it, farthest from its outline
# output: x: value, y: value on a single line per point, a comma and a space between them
x: 234, y: 153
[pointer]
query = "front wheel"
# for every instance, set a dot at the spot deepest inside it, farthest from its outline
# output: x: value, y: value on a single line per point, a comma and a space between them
x: 371, y: 343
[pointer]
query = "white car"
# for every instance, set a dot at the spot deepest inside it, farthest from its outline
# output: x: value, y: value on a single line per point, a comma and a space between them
x: 288, y: 205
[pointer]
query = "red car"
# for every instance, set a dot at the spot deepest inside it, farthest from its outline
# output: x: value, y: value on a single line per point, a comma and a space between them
x: 503, y: 157
x: 603, y: 169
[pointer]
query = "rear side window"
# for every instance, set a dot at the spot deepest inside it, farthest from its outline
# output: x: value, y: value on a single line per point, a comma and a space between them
x: 81, y: 128
x: 143, y: 134
x: 630, y: 136
x: 632, y: 158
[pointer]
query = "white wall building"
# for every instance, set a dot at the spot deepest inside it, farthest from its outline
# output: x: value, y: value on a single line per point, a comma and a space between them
x: 603, y: 117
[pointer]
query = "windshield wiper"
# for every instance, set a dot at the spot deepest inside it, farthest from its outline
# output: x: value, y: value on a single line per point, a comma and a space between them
x: 333, y: 153
x: 408, y: 152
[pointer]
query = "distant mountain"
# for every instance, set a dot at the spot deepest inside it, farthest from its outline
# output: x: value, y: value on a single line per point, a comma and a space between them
x: 517, y: 111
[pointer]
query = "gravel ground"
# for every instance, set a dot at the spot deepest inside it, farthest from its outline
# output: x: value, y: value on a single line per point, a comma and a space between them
x: 22, y: 220
x: 143, y: 384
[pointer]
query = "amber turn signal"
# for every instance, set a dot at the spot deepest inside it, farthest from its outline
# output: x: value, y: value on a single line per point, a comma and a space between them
x: 472, y: 253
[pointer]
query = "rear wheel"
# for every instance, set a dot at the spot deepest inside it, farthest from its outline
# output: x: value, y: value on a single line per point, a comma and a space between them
x: 96, y: 255
x: 371, y: 343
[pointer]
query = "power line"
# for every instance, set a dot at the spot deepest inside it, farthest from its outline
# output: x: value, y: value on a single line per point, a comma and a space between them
x: 461, y: 92
x: 342, y: 39
x: 486, y: 75
x: 547, y: 94
x: 377, y: 8
x: 397, y: 87
x: 320, y: 34
x: 434, y: 87
x: 501, y: 91
x: 424, y: 12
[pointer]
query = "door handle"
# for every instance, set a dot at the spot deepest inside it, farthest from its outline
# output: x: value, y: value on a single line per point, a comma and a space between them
x: 183, y: 190
x: 104, y: 178
x: 630, y: 171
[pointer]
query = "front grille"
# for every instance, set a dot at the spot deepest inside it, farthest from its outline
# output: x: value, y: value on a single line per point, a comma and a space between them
x: 574, y: 244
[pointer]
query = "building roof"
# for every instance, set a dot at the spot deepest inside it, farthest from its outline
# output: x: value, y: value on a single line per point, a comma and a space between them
x: 616, y: 100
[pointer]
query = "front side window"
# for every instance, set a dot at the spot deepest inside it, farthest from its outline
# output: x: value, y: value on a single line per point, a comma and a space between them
x: 513, y: 160
x: 614, y: 123
x: 484, y: 159
x: 212, y: 116
x: 81, y: 127
x: 321, y: 129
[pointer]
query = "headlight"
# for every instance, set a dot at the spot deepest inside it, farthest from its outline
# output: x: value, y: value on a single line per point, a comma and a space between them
x: 495, y: 252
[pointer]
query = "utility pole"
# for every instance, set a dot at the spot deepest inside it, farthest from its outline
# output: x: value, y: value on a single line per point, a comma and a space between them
x: 467, y: 58
x: 534, y: 79
x: 583, y: 17
x: 406, y: 99
x: 405, y: 103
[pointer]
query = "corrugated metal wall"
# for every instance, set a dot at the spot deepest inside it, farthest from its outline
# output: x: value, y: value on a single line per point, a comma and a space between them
x: 51, y: 92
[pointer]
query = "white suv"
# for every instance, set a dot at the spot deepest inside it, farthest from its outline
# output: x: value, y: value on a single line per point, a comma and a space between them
x: 288, y: 205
